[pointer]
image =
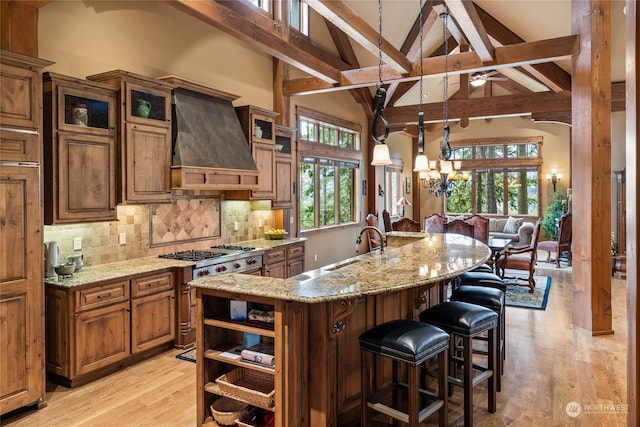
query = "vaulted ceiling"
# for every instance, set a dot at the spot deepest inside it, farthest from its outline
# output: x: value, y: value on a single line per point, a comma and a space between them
x: 522, y: 49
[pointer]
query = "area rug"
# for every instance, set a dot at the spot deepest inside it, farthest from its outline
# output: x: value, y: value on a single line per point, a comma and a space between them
x: 519, y: 296
x: 189, y: 355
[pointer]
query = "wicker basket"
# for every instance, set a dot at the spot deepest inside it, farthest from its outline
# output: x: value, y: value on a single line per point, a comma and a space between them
x: 226, y: 411
x: 253, y: 387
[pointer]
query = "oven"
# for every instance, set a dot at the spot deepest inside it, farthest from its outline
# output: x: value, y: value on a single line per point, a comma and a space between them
x: 221, y: 259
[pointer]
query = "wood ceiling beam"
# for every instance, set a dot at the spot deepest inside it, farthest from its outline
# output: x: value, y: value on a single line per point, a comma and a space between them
x: 466, y: 62
x: 440, y: 8
x: 484, y: 107
x: 514, y: 87
x: 550, y: 74
x: 347, y: 54
x: 411, y: 45
x: 471, y: 25
x: 345, y: 18
x: 225, y: 19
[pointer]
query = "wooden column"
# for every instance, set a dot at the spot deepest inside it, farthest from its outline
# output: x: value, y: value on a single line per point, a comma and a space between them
x: 633, y: 204
x: 591, y: 149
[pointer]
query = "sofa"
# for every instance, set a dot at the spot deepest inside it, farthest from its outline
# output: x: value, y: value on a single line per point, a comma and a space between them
x: 519, y: 230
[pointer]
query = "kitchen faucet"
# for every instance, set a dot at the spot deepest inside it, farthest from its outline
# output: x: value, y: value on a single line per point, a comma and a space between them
x: 372, y: 228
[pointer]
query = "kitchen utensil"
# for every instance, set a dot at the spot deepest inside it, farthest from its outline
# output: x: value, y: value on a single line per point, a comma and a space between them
x: 78, y: 260
x: 65, y: 269
x: 51, y: 252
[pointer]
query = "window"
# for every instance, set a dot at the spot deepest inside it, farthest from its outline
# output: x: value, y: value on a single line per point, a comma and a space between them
x: 394, y: 190
x: 329, y: 170
x: 262, y: 4
x: 299, y: 16
x: 505, y: 177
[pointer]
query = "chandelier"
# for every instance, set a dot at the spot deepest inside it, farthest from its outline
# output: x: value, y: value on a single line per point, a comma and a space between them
x: 439, y: 176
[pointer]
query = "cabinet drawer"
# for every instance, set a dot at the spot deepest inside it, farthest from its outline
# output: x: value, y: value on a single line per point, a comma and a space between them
x: 151, y: 284
x: 19, y: 146
x: 295, y: 251
x: 102, y: 295
x: 275, y: 255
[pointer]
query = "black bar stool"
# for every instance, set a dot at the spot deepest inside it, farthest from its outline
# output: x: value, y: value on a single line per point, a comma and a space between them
x: 488, y: 280
x: 481, y: 278
x: 412, y: 343
x: 490, y: 298
x: 468, y: 321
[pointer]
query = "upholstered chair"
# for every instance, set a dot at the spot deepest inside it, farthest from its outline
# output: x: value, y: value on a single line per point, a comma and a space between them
x: 561, y: 244
x: 374, y: 238
x: 480, y: 227
x: 434, y: 223
x: 523, y: 258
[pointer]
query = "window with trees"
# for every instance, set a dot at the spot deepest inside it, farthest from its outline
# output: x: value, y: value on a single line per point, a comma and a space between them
x: 329, y: 170
x: 299, y: 16
x: 505, y: 177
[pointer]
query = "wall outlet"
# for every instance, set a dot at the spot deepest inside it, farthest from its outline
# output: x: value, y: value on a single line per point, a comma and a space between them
x: 260, y: 223
x: 315, y: 257
x: 236, y: 226
x: 122, y: 238
x: 77, y: 243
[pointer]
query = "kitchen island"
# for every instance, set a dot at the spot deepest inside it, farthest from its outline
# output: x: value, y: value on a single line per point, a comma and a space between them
x: 318, y: 317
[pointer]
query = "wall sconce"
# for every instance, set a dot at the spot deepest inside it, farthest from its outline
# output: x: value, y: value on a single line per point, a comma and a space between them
x: 554, y: 177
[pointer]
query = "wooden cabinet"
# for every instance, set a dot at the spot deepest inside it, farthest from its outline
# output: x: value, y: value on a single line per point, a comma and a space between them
x: 22, y: 373
x: 295, y: 259
x: 258, y: 126
x: 144, y: 136
x: 79, y: 151
x: 275, y: 263
x: 217, y: 335
x: 95, y: 329
x: 284, y: 261
x: 284, y: 167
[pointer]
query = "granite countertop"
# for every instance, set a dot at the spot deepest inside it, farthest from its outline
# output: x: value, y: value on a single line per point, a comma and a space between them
x: 132, y: 267
x: 432, y: 259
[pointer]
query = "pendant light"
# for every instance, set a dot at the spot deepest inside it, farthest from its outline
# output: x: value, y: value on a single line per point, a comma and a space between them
x: 422, y: 162
x: 380, y: 150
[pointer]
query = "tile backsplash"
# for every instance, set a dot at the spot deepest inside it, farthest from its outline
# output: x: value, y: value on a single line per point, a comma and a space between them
x: 100, y: 240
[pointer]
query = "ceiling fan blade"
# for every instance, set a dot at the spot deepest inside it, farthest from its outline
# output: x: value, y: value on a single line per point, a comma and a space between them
x: 497, y: 79
x: 491, y: 73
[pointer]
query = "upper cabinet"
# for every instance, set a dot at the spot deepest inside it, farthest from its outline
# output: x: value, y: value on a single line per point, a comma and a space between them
x: 79, y: 150
x: 285, y: 170
x: 259, y: 128
x: 144, y: 136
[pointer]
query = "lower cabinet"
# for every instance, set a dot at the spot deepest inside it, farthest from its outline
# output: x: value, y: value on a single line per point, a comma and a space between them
x: 284, y: 261
x: 95, y: 329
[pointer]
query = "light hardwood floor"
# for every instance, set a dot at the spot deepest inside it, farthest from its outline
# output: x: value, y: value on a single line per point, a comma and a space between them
x: 549, y: 364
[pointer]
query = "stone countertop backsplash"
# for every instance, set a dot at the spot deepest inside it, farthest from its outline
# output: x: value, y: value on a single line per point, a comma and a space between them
x: 132, y: 267
x: 435, y: 258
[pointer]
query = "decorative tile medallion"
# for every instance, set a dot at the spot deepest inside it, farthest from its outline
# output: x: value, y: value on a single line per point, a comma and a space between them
x: 185, y: 220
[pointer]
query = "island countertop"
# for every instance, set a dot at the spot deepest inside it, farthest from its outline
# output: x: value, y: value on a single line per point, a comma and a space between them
x: 433, y: 259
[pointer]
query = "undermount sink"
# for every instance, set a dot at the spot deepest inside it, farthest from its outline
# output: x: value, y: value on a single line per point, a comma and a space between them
x: 343, y: 264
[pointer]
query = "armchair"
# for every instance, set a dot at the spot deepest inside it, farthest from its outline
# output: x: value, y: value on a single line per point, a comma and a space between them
x: 522, y: 258
x: 561, y: 244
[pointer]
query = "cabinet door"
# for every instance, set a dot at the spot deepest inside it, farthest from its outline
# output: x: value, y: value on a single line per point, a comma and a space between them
x: 278, y: 270
x: 148, y: 163
x: 264, y: 157
x: 101, y: 337
x: 20, y: 97
x: 153, y: 321
x: 22, y: 380
x: 283, y: 176
x: 295, y: 267
x: 87, y: 179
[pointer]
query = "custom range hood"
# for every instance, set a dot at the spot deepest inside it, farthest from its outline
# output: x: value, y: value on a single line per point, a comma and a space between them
x: 210, y: 150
